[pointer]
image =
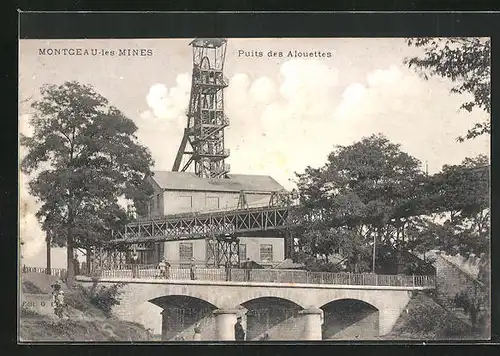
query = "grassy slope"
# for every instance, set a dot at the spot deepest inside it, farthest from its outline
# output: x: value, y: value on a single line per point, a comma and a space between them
x: 86, y: 322
x: 427, y: 320
x: 41, y: 328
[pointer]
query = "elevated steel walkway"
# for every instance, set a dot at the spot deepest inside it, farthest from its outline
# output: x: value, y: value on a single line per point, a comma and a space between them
x: 280, y: 215
x: 202, y: 225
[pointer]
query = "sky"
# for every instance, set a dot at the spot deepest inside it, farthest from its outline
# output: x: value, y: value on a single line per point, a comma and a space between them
x: 285, y: 112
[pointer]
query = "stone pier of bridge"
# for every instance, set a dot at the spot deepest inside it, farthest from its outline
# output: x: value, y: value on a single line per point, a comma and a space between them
x: 292, y: 311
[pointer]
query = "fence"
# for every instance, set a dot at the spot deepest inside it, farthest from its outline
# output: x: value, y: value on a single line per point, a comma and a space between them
x: 272, y: 276
x: 58, y: 272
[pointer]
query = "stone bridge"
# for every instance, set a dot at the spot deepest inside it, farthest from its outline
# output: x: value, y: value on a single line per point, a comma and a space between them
x: 285, y: 311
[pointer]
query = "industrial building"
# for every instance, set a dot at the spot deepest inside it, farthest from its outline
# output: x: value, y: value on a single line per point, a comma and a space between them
x: 185, y: 192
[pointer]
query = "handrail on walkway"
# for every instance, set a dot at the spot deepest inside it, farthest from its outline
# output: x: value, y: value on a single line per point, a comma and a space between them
x: 270, y: 276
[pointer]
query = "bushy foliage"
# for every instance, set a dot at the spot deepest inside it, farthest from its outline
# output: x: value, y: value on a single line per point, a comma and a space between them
x: 27, y: 311
x: 426, y: 319
x: 78, y: 298
x: 105, y: 298
x: 101, y: 297
x: 474, y: 306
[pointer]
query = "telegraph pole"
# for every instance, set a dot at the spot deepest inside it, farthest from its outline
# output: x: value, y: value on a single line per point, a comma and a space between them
x: 374, y: 252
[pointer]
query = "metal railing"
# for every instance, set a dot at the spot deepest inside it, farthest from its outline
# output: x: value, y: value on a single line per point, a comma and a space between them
x: 58, y: 272
x: 271, y: 276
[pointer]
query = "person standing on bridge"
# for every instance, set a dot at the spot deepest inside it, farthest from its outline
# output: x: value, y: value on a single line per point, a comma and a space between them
x: 163, y: 268
x: 167, y: 270
x: 247, y: 265
x: 135, y: 256
x: 192, y: 269
x: 239, y: 332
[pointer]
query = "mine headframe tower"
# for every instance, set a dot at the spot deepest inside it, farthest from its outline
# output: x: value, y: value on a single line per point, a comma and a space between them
x: 205, y: 117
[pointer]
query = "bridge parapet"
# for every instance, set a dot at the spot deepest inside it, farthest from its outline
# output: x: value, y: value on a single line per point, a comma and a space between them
x: 273, y: 276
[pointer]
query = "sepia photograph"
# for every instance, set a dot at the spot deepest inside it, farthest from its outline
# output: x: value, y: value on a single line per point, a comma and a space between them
x: 254, y: 189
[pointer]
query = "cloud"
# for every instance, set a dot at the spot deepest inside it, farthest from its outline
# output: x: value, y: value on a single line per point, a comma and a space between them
x: 263, y: 90
x: 280, y: 132
x: 161, y: 126
x: 275, y: 117
x: 165, y: 103
x: 420, y: 115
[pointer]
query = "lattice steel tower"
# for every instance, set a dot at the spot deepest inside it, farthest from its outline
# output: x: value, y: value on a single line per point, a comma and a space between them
x: 206, y: 119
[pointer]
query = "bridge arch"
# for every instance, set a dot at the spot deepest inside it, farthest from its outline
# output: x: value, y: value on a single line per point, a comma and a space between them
x: 375, y: 298
x: 347, y: 300
x: 153, y: 293
x: 283, y: 294
x: 277, y: 317
x: 180, y: 301
x: 349, y: 318
x: 181, y: 314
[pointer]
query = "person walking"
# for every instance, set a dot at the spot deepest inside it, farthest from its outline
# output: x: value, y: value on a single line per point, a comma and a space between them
x: 192, y: 269
x: 197, y: 332
x: 239, y: 332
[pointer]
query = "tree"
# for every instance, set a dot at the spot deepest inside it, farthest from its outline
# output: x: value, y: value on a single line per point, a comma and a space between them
x: 464, y: 197
x: 358, y: 194
x: 467, y: 62
x: 83, y: 156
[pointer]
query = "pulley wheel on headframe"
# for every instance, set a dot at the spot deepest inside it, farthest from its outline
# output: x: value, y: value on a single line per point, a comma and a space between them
x: 205, y: 63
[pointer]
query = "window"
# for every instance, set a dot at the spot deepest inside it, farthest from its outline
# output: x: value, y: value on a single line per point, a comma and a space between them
x: 185, y: 251
x: 243, y: 252
x: 158, y: 197
x: 212, y: 203
x: 266, y: 253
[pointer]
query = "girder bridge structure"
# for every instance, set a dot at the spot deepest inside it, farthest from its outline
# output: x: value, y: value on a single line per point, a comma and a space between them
x: 282, y: 217
x: 221, y: 229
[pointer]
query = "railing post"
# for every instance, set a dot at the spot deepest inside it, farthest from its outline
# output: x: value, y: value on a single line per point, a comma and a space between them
x: 349, y: 276
x: 413, y: 280
x: 376, y: 279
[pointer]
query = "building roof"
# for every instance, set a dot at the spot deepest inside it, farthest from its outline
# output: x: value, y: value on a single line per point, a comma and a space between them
x: 234, y: 183
x: 288, y: 264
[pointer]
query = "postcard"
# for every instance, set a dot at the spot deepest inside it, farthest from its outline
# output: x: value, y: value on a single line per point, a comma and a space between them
x: 257, y: 189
